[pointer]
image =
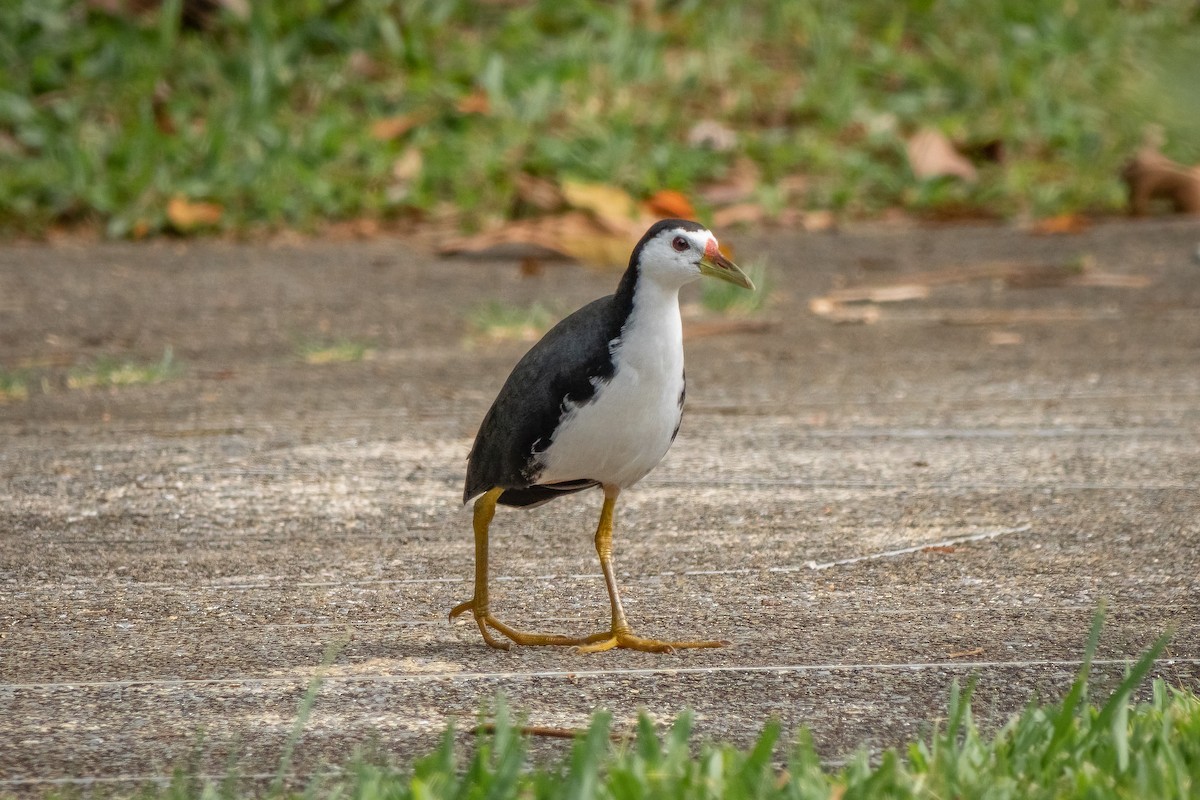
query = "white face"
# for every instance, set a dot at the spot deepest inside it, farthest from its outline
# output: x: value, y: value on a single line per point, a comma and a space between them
x: 672, y: 258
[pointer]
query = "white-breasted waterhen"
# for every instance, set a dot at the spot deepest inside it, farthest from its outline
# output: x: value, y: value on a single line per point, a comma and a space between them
x: 596, y: 402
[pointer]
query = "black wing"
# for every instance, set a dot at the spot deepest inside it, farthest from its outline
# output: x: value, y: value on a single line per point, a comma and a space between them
x: 560, y: 367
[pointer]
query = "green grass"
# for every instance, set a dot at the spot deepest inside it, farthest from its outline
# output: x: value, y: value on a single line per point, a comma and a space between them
x: 14, y: 384
x: 725, y: 298
x: 104, y: 119
x: 1072, y: 748
x: 112, y: 372
x: 338, y: 351
x: 498, y: 321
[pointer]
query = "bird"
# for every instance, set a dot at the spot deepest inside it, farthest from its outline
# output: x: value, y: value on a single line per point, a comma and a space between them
x: 596, y: 402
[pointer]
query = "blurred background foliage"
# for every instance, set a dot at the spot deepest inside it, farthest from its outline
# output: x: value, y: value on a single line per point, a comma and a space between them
x: 260, y: 115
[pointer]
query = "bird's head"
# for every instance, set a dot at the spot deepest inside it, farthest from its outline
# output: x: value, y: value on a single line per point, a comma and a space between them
x: 677, y: 251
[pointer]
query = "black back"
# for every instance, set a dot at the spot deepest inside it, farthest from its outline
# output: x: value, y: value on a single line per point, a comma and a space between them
x: 564, y: 366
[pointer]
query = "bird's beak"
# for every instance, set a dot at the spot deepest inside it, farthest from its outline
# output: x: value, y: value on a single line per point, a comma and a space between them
x: 718, y: 266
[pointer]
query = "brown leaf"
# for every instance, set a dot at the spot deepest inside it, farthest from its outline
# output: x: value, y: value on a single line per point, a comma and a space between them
x: 820, y: 220
x: 407, y: 167
x: 476, y: 102
x: 699, y: 329
x: 975, y: 651
x: 1060, y: 224
x: 931, y: 155
x: 531, y: 267
x: 1005, y: 338
x: 390, y: 128
x: 1152, y: 176
x: 575, y: 234
x: 540, y: 193
x: 187, y: 215
x: 739, y: 214
x: 612, y: 206
x: 670, y: 203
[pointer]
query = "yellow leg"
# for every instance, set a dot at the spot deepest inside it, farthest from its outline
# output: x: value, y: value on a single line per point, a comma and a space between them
x: 485, y: 509
x: 621, y: 635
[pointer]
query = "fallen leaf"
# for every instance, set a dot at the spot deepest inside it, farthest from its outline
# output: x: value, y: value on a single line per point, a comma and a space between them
x: 891, y: 293
x: 531, y: 267
x: 408, y: 166
x: 1151, y: 176
x: 939, y: 548
x: 1060, y: 224
x: 1005, y: 338
x: 475, y: 103
x: 1112, y: 280
x: 821, y: 220
x: 723, y: 327
x: 187, y: 215
x: 931, y: 155
x: 393, y: 127
x: 574, y: 234
x: 977, y: 651
x: 865, y: 314
x: 670, y: 203
x: 612, y: 206
x: 539, y: 193
x: 739, y: 214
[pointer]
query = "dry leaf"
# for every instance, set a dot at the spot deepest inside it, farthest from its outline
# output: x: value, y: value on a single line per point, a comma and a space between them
x: 393, y: 127
x: 723, y: 327
x: 820, y: 220
x: 574, y: 234
x: 976, y: 651
x: 739, y: 214
x: 475, y: 103
x: 612, y: 206
x: 187, y: 215
x: 1005, y: 338
x: 670, y: 203
x: 407, y: 167
x: 931, y: 155
x: 1152, y: 176
x: 892, y: 293
x: 531, y: 267
x: 863, y: 314
x: 540, y: 193
x: 1062, y: 223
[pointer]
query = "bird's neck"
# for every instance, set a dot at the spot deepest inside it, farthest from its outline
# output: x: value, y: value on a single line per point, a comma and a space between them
x: 653, y: 334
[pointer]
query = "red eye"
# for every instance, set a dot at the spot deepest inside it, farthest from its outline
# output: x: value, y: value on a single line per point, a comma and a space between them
x: 679, y: 243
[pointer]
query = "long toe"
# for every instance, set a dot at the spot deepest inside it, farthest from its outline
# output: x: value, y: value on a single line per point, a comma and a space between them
x: 629, y: 641
x: 534, y: 639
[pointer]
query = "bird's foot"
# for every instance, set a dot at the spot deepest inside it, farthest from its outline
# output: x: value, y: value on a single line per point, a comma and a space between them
x: 626, y: 640
x: 485, y: 621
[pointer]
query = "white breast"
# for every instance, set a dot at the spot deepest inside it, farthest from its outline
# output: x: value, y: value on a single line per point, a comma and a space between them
x: 626, y: 428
